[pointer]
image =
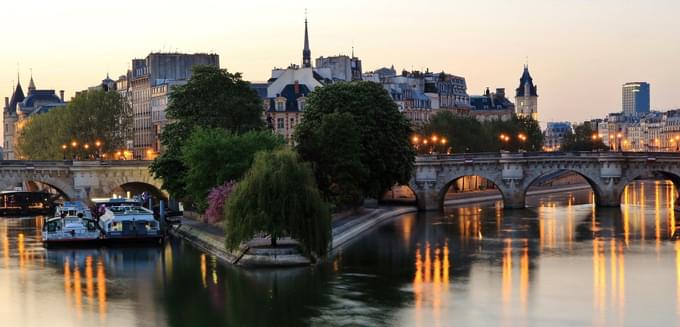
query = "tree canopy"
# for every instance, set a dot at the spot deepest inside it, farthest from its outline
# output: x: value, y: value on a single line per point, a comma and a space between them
x: 215, y: 155
x: 212, y: 98
x: 359, y: 124
x: 89, y: 117
x: 278, y: 196
x: 466, y: 134
x: 583, y: 138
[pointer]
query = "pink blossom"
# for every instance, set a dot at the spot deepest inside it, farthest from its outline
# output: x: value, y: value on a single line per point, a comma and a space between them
x: 217, y: 197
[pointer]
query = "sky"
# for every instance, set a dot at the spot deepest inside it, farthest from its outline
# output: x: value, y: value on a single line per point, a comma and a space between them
x: 579, y: 51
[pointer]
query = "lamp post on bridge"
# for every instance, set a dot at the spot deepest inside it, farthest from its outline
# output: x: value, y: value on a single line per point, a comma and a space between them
x: 63, y: 150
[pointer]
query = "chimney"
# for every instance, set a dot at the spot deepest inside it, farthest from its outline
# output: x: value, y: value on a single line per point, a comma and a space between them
x: 6, y: 102
x: 296, y: 87
x: 61, y: 95
x: 500, y: 92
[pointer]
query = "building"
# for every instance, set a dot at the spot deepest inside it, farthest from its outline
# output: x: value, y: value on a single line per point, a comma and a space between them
x: 635, y: 98
x: 554, y: 134
x: 149, y: 85
x: 491, y: 106
x: 19, y: 108
x: 342, y: 68
x: 419, y: 95
x: 526, y: 96
x: 287, y: 91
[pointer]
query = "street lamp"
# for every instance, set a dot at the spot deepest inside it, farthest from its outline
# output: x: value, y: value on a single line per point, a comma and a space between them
x: 98, y: 144
x: 619, y: 136
x: 63, y: 149
x: 74, y: 145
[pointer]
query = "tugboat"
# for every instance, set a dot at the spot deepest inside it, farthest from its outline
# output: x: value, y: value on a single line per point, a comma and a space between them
x: 128, y: 221
x: 73, y: 224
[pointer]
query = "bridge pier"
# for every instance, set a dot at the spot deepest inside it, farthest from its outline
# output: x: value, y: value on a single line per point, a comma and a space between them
x: 514, y: 200
x: 428, y: 200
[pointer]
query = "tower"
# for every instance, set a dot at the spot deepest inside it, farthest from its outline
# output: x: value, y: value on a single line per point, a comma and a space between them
x: 526, y: 96
x: 10, y: 119
x: 306, y: 53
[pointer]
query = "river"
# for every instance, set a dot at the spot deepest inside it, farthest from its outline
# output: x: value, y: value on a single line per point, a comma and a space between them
x: 559, y: 263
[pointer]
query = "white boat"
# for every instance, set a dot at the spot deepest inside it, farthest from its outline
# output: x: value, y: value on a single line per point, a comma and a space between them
x: 129, y: 222
x: 73, y: 223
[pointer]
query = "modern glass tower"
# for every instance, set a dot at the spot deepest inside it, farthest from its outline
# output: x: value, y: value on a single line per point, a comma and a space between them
x: 635, y: 98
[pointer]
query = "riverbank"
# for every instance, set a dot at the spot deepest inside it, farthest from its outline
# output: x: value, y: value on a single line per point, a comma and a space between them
x: 345, y: 229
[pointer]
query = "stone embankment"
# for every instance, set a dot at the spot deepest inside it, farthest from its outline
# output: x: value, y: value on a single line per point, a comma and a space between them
x: 345, y: 229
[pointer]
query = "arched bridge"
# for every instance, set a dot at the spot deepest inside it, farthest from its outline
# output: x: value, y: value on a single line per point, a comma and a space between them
x: 608, y: 173
x: 81, y: 180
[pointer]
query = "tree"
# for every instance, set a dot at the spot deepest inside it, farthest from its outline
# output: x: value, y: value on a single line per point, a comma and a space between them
x: 337, y: 147
x: 278, y: 196
x: 523, y: 133
x: 91, y: 116
x: 215, y: 155
x: 212, y: 98
x: 583, y: 138
x: 463, y: 134
x: 368, y: 114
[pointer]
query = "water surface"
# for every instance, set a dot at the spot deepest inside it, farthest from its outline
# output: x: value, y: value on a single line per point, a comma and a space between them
x: 560, y: 262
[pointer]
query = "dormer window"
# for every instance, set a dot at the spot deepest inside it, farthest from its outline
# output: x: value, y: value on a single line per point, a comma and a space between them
x: 280, y: 104
x: 301, y: 103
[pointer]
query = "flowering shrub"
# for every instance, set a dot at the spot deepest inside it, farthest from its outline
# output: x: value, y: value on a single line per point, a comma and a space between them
x: 217, y: 197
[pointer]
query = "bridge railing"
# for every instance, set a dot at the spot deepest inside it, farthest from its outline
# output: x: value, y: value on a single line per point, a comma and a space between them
x: 547, y: 155
x: 76, y: 163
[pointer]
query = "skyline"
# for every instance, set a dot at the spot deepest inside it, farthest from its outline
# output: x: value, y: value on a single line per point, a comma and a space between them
x: 496, y: 38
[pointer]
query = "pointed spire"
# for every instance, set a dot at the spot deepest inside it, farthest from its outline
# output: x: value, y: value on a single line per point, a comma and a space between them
x: 306, y: 52
x: 31, y: 83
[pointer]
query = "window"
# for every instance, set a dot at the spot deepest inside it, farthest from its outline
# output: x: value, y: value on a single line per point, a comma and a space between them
x: 279, y: 123
x: 301, y: 104
x: 280, y: 105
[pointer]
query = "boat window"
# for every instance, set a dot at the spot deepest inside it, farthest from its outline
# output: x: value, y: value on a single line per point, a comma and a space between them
x: 53, y: 226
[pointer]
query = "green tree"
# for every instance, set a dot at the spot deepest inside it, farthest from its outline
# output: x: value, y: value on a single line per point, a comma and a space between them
x: 278, y: 196
x: 212, y: 98
x: 384, y: 152
x: 583, y: 138
x: 214, y: 155
x: 91, y: 116
x: 463, y: 134
x: 523, y: 133
x: 337, y: 161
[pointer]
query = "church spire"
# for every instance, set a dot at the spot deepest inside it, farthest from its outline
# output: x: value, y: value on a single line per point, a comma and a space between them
x: 306, y: 53
x: 31, y: 84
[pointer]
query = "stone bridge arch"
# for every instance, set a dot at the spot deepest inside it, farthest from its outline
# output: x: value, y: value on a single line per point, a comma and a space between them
x: 608, y: 173
x: 110, y: 182
x: 61, y: 182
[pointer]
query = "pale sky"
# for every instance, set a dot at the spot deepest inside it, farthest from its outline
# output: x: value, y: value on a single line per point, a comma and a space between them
x: 580, y: 51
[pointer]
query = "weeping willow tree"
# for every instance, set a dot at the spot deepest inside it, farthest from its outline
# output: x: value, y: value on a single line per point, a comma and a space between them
x: 278, y: 196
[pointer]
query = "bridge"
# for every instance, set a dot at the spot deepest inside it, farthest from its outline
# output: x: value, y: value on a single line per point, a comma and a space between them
x: 608, y: 173
x: 82, y: 180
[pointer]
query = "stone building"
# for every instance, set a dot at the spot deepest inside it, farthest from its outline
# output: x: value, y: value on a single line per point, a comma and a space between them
x: 19, y: 108
x: 526, y: 96
x: 554, y: 134
x: 491, y: 106
x: 343, y: 68
x: 287, y: 90
x: 419, y: 95
x: 150, y: 84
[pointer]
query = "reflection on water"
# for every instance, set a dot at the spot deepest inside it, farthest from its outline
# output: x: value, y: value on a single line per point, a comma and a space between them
x: 561, y: 262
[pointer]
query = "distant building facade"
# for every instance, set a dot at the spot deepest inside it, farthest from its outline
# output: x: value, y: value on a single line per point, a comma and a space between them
x: 635, y: 98
x: 419, y: 95
x: 343, y: 68
x: 19, y: 108
x: 285, y: 93
x: 492, y: 106
x: 554, y: 134
x: 526, y: 96
x: 149, y: 86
